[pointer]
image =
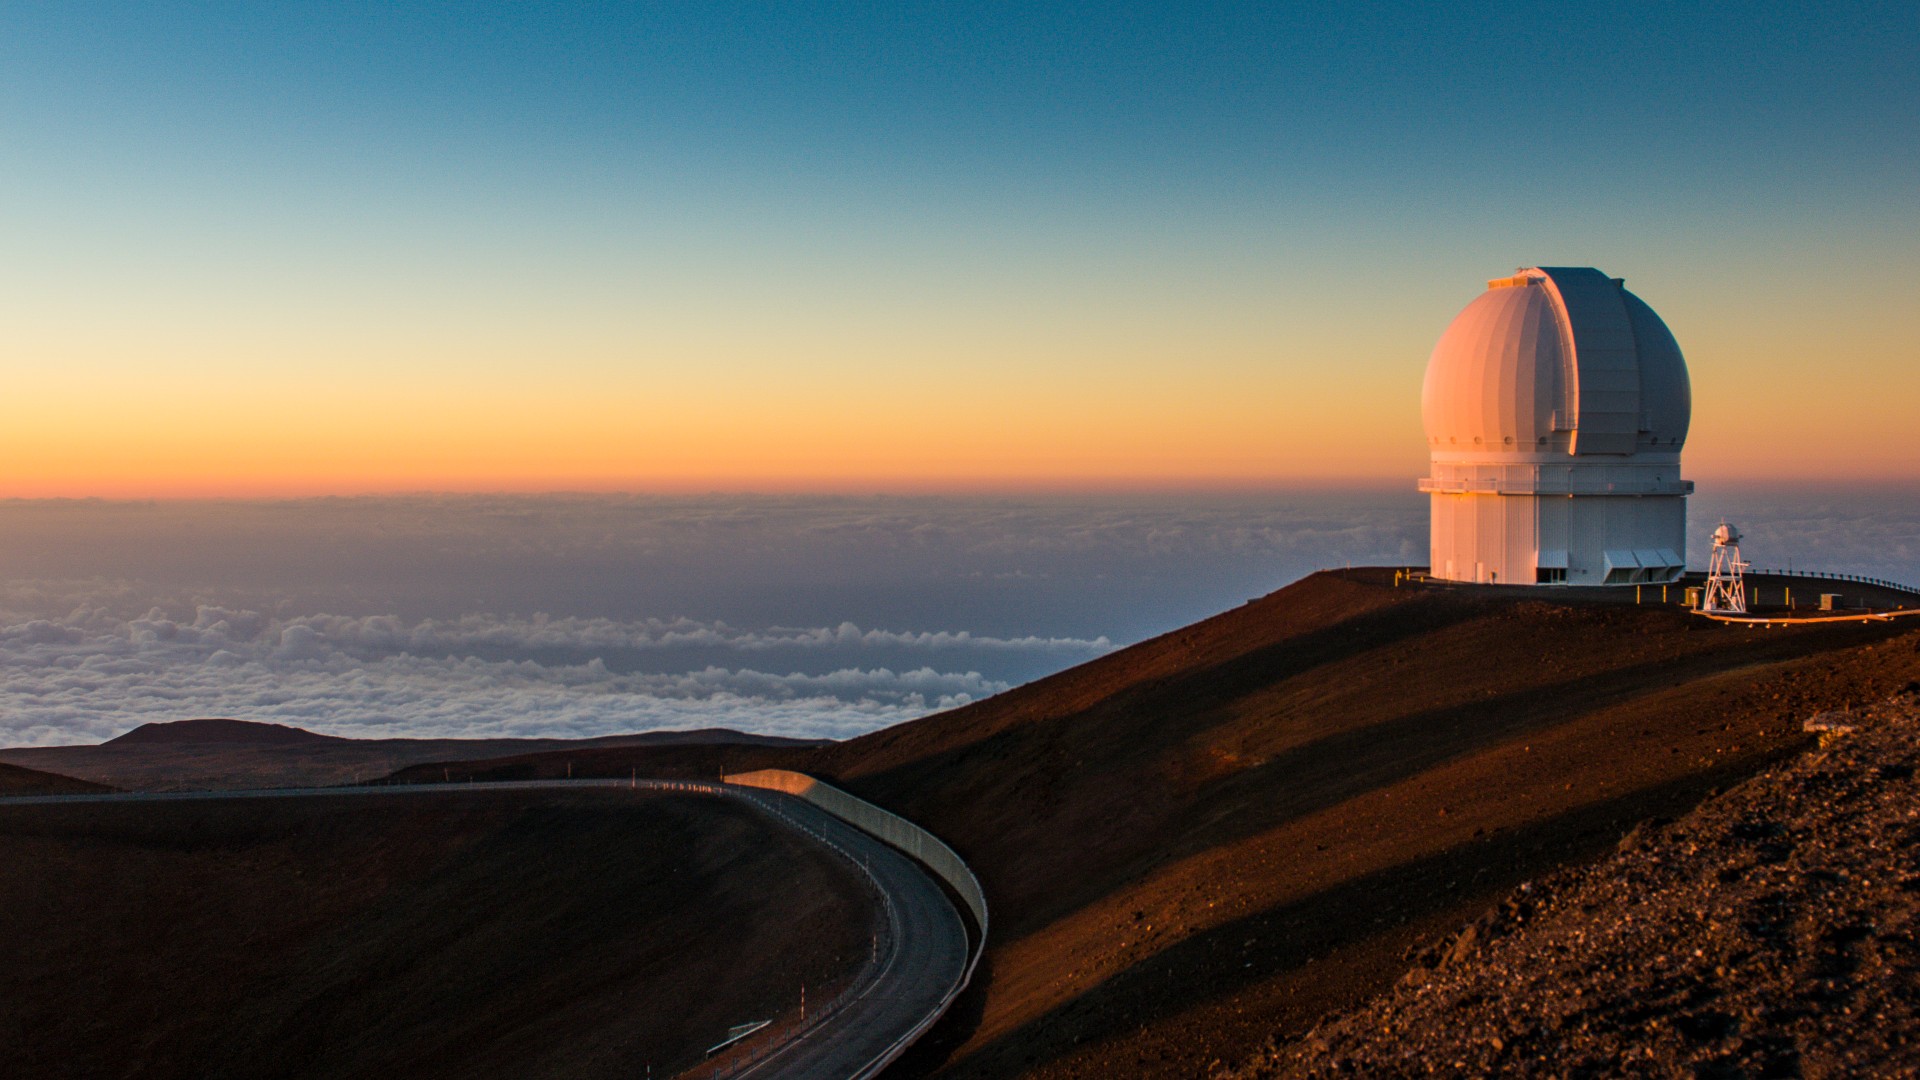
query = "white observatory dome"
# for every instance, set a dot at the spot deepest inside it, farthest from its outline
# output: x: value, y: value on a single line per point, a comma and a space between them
x: 1555, y: 409
x: 1560, y: 352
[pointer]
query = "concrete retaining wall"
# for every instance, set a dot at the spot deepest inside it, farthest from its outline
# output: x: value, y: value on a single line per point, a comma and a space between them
x: 888, y: 826
x: 908, y: 837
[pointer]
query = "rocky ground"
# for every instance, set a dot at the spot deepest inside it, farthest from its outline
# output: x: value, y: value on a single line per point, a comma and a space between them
x: 1771, y: 932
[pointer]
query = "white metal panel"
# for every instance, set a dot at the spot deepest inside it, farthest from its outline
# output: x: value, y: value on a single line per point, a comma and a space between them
x: 1666, y: 393
x: 1492, y: 384
x: 1605, y: 360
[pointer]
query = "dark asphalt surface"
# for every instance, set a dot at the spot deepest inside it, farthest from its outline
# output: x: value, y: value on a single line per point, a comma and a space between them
x: 922, y: 953
x: 922, y: 957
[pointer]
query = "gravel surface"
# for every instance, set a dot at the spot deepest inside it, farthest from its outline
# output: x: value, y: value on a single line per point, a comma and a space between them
x: 1771, y: 932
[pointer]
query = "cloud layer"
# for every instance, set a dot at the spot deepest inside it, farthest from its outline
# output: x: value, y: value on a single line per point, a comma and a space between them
x: 802, y: 615
x: 92, y: 675
x: 779, y: 614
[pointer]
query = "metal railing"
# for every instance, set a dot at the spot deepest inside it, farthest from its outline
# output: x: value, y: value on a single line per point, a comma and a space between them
x: 1857, y: 579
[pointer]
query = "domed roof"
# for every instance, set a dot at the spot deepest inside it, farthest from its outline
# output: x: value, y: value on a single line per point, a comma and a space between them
x: 1556, y: 360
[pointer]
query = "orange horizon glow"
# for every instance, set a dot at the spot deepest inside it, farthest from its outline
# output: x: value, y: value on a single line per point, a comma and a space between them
x: 245, y: 468
x: 1074, y: 390
x: 297, y: 488
x: 1254, y: 438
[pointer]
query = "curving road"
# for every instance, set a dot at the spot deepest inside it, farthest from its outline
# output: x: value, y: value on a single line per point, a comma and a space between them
x: 922, y: 952
x: 923, y: 956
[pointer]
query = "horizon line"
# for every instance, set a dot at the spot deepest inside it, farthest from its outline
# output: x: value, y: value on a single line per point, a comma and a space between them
x: 841, y: 487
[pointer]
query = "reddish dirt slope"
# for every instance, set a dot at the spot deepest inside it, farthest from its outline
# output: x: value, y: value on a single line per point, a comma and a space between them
x: 1774, y: 931
x: 498, y: 933
x: 1234, y: 828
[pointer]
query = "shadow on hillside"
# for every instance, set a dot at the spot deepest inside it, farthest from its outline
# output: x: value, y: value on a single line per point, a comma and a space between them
x: 1125, y: 817
x: 1191, y: 689
x: 1287, y: 939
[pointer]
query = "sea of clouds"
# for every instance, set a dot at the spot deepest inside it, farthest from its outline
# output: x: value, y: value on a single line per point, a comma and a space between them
x: 579, y: 615
x: 92, y: 675
x: 589, y: 615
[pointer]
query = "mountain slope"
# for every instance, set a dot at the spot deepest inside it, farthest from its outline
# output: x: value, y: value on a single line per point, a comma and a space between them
x: 501, y: 933
x: 1256, y: 815
x: 15, y: 780
x: 1771, y: 932
x: 1239, y: 826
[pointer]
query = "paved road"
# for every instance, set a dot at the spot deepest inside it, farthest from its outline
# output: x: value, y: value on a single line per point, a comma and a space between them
x: 922, y: 953
x: 922, y: 956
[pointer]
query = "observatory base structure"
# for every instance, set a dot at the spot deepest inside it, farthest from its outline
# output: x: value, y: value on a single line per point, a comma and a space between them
x: 1555, y: 407
x: 1544, y: 539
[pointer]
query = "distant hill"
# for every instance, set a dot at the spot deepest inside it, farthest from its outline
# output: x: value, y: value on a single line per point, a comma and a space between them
x: 214, y: 754
x: 15, y: 780
x: 249, y: 732
x: 1222, y: 834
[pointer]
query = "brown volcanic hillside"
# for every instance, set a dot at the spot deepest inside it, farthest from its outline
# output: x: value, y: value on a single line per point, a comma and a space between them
x: 1236, y: 827
x: 1255, y: 816
x: 15, y: 780
x: 492, y: 933
x: 1774, y: 931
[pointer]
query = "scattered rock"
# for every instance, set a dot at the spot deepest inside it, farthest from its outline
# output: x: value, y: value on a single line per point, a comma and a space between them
x: 1827, y: 722
x: 1774, y: 931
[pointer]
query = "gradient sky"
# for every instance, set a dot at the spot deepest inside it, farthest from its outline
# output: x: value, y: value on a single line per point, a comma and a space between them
x: 293, y: 248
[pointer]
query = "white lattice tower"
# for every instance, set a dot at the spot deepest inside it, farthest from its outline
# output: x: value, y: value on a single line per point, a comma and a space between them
x: 1726, y: 585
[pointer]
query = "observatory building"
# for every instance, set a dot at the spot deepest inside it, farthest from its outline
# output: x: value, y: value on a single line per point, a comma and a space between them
x: 1556, y: 405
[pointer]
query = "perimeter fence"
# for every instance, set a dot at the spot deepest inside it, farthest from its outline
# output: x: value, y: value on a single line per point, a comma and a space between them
x: 1857, y: 579
x: 929, y: 850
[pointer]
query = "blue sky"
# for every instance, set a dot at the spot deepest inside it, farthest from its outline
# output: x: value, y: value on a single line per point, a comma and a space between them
x: 1205, y: 98
x: 814, y: 244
